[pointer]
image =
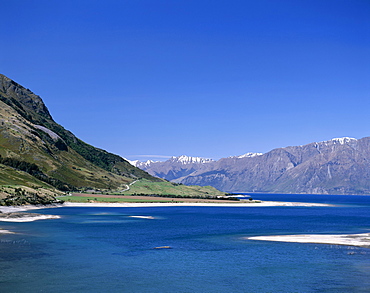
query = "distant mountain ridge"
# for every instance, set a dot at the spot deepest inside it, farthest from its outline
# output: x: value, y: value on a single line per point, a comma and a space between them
x: 247, y: 155
x: 179, y: 167
x: 336, y: 166
x: 173, y: 168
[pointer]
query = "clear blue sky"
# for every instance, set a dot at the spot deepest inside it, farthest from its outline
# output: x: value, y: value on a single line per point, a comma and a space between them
x: 202, y: 78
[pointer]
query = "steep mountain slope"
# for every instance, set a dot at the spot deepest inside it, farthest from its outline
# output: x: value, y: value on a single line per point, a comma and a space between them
x: 32, y: 143
x: 338, y: 166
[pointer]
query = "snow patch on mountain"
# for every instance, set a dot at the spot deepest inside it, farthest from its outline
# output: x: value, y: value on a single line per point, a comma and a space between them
x: 190, y: 160
x: 250, y: 155
x: 140, y: 164
x: 183, y: 160
x: 247, y: 155
x: 343, y: 140
x: 338, y: 140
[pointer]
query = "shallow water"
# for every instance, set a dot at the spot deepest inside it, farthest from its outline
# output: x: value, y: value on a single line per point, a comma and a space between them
x: 106, y: 250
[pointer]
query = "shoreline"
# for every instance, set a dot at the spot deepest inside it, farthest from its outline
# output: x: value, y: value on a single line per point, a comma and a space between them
x: 15, y: 213
x: 13, y: 209
x: 361, y: 240
x: 200, y: 204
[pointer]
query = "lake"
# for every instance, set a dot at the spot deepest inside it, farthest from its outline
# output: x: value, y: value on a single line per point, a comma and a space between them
x: 100, y: 249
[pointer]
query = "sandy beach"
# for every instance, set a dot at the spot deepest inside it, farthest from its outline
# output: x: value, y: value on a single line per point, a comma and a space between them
x: 202, y: 204
x: 362, y: 240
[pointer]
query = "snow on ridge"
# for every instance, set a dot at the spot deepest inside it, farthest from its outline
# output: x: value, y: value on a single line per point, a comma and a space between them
x: 343, y: 140
x: 340, y: 140
x: 250, y: 155
x: 190, y: 160
x: 184, y: 160
x: 133, y: 163
x: 140, y: 164
x: 247, y: 155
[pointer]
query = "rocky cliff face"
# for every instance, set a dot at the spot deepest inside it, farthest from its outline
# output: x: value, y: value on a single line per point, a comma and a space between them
x: 337, y: 166
x: 22, y: 100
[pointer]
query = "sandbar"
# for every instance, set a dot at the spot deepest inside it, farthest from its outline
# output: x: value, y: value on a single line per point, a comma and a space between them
x: 3, y: 231
x: 16, y: 213
x: 362, y: 240
x: 23, y: 217
x: 143, y: 217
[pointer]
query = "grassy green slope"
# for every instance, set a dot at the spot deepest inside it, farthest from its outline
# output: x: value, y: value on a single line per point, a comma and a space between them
x: 31, y: 108
x: 18, y: 187
x: 144, y: 186
x: 20, y: 140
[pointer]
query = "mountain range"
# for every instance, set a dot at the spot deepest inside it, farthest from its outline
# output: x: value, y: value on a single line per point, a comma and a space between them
x: 336, y: 166
x: 39, y: 159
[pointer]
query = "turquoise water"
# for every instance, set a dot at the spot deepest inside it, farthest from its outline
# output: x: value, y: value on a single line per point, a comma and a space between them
x: 106, y: 250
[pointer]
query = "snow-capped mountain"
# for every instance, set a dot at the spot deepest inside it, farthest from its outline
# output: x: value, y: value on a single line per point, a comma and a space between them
x: 185, y: 160
x: 173, y: 168
x: 247, y: 155
x: 140, y: 164
x: 341, y: 140
x: 335, y: 166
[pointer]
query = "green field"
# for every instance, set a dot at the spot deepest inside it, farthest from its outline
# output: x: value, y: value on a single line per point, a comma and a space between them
x: 108, y: 199
x: 147, y: 187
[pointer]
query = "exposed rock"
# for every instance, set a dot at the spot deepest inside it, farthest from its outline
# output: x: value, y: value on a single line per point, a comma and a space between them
x: 337, y: 166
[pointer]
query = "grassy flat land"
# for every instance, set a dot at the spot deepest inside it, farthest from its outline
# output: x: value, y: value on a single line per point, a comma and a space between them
x: 147, y: 187
x: 78, y: 197
x: 146, y: 191
x: 122, y: 199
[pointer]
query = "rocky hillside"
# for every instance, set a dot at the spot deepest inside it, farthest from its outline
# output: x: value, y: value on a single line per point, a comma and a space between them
x: 36, y: 152
x: 337, y: 166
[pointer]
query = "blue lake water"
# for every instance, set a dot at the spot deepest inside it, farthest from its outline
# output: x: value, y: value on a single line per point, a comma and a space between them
x: 106, y: 250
